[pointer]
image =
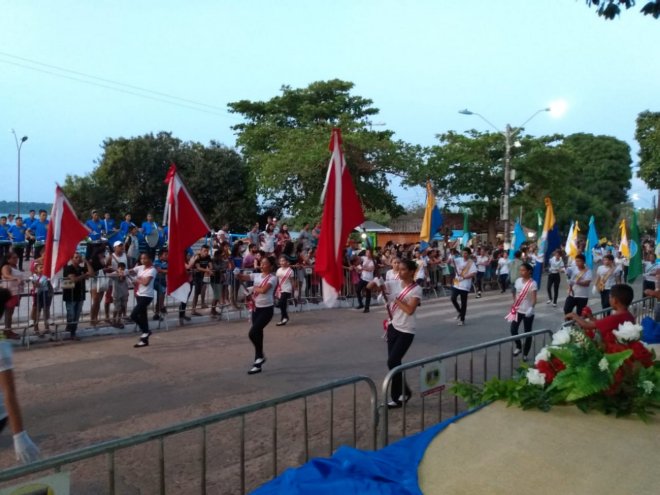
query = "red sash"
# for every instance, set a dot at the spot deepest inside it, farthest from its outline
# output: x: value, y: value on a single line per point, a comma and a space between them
x: 287, y: 275
x: 249, y: 299
x: 513, y: 313
x: 395, y: 306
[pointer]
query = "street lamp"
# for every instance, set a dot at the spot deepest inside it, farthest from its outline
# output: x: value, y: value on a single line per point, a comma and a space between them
x: 509, y: 134
x: 19, y: 145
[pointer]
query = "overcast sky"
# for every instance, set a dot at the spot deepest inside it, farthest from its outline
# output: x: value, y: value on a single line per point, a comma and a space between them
x: 420, y: 61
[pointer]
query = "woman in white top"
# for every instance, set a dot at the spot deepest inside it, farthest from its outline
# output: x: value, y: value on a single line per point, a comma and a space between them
x: 483, y: 260
x: 366, y: 275
x: 262, y: 312
x: 285, y: 280
x: 402, y: 296
x: 606, y: 276
x: 145, y: 275
x: 503, y: 270
x: 578, y: 286
x: 12, y: 279
x: 522, y: 310
x: 555, y: 267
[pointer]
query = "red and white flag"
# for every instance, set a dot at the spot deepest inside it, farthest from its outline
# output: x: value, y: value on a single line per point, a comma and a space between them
x: 65, y: 232
x: 186, y: 225
x: 342, y: 212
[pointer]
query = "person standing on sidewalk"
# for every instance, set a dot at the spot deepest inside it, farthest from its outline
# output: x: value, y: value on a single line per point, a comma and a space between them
x: 465, y: 271
x: 73, y: 291
x: 145, y: 275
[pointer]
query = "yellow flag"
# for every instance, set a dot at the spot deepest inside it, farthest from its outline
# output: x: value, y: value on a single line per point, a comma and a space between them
x: 624, y: 247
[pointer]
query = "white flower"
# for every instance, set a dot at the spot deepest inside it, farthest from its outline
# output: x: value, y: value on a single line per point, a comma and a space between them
x: 561, y: 337
x: 543, y: 355
x: 603, y: 365
x: 647, y: 386
x: 628, y: 332
x: 534, y: 377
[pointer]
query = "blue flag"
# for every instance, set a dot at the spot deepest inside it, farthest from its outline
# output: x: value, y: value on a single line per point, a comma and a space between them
x: 592, y: 242
x: 517, y: 239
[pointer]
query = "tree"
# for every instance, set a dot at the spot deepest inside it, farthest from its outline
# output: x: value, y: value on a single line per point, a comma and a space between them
x: 285, y: 142
x: 609, y: 9
x: 130, y: 173
x: 647, y: 134
x: 583, y: 174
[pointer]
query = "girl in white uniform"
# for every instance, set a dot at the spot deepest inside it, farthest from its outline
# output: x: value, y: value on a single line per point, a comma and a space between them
x: 402, y: 296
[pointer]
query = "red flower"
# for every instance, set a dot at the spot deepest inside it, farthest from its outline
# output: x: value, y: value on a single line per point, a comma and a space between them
x: 618, y: 378
x: 641, y: 354
x: 546, y: 368
x: 557, y: 364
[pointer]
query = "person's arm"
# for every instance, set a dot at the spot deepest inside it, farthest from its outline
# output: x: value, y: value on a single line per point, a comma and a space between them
x: 581, y: 322
x: 584, y: 281
x: 26, y: 451
x: 265, y: 288
x: 408, y: 307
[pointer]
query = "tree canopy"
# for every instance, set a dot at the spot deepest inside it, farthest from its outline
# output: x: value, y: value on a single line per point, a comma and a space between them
x: 583, y: 174
x: 285, y: 142
x: 647, y: 134
x: 130, y: 173
x: 609, y: 9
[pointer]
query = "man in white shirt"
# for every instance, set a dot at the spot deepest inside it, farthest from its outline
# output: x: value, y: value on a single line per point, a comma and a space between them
x: 503, y: 270
x: 483, y: 260
x: 578, y: 286
x: 466, y: 270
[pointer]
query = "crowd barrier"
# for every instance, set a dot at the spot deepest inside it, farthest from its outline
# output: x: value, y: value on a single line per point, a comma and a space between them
x: 429, y: 402
x: 368, y: 417
x: 221, y: 465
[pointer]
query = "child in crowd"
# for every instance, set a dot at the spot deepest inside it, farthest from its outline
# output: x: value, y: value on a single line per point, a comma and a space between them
x: 121, y: 283
x: 44, y: 296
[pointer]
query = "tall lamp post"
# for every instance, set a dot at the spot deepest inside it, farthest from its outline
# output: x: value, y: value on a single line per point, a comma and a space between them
x: 509, y: 134
x: 19, y: 145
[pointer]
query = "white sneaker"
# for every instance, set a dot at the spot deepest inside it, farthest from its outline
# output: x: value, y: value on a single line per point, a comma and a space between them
x: 554, y: 305
x: 549, y: 301
x: 461, y: 323
x: 516, y: 351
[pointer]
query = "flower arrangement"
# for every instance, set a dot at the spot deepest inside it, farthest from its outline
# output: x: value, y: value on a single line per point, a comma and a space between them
x: 609, y: 371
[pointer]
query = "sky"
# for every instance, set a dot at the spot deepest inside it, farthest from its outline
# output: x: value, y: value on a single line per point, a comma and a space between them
x: 419, y: 61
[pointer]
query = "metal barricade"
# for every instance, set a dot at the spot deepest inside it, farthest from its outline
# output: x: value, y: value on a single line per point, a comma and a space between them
x: 323, y: 424
x: 473, y: 364
x: 639, y: 309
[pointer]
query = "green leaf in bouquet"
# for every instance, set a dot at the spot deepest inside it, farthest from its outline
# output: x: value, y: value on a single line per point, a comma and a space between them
x: 615, y: 360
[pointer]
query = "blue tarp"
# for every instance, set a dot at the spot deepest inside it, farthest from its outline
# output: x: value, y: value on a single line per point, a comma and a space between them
x: 389, y: 471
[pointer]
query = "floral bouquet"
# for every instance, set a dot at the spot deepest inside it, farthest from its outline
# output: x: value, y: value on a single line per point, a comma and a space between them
x: 611, y: 371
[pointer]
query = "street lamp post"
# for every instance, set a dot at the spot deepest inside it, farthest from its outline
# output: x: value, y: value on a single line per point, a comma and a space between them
x: 19, y: 145
x: 509, y: 134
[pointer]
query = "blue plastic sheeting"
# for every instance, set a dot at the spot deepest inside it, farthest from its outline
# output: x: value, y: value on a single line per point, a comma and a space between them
x: 389, y: 471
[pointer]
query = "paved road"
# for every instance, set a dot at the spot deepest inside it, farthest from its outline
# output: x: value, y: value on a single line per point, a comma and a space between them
x: 76, y: 394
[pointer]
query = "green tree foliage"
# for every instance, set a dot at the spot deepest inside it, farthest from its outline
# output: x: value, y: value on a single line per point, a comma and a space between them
x: 647, y: 135
x: 583, y: 174
x: 285, y: 142
x: 130, y: 173
x: 609, y: 9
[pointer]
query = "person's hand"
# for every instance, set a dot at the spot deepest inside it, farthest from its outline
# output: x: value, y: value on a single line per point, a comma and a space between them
x: 570, y: 316
x: 25, y: 448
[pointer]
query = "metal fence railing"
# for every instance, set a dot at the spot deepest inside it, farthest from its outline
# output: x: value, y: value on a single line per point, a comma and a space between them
x: 474, y: 364
x: 268, y: 441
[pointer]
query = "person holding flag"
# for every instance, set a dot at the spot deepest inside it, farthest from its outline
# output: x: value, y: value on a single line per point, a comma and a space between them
x: 549, y: 239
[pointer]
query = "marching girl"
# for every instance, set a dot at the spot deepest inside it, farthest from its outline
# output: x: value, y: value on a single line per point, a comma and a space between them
x: 285, y: 280
x: 555, y: 267
x: 402, y: 297
x: 522, y: 310
x: 262, y: 310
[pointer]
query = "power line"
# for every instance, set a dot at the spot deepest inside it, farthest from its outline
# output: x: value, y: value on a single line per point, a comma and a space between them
x: 139, y: 92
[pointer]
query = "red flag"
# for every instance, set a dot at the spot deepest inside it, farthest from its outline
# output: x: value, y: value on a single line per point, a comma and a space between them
x: 342, y: 212
x: 186, y: 225
x: 65, y: 232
